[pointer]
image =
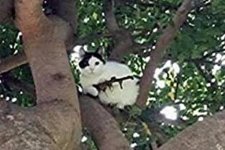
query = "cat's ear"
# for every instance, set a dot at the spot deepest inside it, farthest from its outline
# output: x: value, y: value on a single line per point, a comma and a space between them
x: 100, y: 51
x: 82, y: 52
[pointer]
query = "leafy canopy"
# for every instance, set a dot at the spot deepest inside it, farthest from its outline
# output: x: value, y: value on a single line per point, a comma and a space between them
x: 190, y: 78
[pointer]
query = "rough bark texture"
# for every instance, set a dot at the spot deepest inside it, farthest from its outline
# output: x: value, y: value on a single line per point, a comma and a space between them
x: 206, y: 135
x: 54, y: 124
x: 104, y: 129
x: 44, y: 45
x: 46, y: 127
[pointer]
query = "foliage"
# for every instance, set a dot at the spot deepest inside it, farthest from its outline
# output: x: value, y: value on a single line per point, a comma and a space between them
x: 191, y: 74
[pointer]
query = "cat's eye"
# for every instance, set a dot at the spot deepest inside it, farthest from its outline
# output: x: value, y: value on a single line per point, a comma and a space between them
x: 96, y: 63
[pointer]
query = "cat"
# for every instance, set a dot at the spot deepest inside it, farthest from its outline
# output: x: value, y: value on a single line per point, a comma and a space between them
x: 94, y: 70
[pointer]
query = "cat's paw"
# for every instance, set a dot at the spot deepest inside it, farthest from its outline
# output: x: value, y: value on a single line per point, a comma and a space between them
x: 93, y: 91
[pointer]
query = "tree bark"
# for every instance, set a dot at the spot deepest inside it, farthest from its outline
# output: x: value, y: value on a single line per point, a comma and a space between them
x: 104, y: 129
x: 54, y: 124
x: 48, y: 126
x: 206, y: 135
x: 6, y: 11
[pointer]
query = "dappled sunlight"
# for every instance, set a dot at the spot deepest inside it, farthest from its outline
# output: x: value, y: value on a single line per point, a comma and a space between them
x: 173, y: 69
x: 84, y: 139
x: 169, y: 112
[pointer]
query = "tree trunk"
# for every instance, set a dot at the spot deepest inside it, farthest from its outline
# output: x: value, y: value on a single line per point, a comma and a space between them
x: 54, y: 124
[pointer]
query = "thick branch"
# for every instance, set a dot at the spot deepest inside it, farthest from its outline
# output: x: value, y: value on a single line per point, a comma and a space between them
x: 123, y: 39
x: 100, y: 123
x: 163, y: 42
x: 67, y: 11
x: 103, y: 127
x: 46, y: 54
x: 44, y: 45
x: 47, y: 126
x: 29, y: 17
x: 205, y: 135
x: 111, y: 22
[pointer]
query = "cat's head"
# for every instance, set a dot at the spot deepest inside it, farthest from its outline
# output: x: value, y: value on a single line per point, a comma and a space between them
x: 91, y: 62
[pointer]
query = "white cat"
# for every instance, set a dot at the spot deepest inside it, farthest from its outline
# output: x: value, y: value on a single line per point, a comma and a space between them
x: 95, y: 70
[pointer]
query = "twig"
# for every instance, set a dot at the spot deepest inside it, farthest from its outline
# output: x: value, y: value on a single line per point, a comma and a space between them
x: 178, y: 80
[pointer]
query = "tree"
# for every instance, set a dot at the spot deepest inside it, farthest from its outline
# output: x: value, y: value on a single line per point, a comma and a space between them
x: 176, y: 47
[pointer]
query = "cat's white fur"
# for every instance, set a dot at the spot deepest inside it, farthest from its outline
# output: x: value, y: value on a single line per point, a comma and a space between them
x: 95, y: 74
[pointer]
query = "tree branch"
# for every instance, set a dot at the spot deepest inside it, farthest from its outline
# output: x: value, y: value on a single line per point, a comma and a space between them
x: 12, y: 62
x: 111, y: 22
x: 48, y: 125
x: 122, y: 38
x: 101, y: 124
x: 98, y: 121
x: 6, y: 10
x: 66, y: 10
x: 44, y: 41
x: 207, y: 134
x: 33, y: 13
x: 163, y: 42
